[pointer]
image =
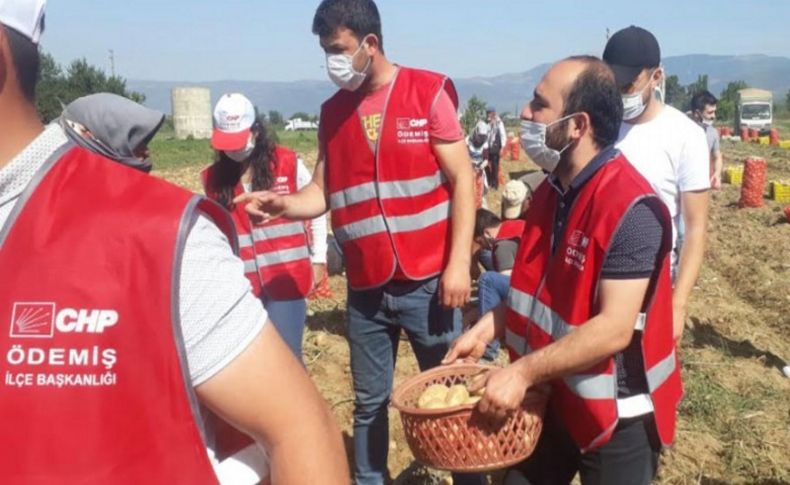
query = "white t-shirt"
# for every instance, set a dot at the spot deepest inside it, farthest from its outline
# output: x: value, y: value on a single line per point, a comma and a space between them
x: 219, y: 314
x: 671, y: 152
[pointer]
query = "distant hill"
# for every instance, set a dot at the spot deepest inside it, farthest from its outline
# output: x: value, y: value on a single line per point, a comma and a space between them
x: 506, y: 92
x: 759, y: 71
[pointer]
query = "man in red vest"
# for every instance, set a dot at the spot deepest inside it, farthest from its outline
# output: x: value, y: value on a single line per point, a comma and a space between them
x: 126, y: 307
x: 590, y: 306
x: 394, y: 170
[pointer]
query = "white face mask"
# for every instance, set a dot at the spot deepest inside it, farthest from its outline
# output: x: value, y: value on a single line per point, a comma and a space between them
x: 533, y: 140
x: 341, y: 70
x: 707, y: 122
x: 243, y: 154
x: 633, y: 104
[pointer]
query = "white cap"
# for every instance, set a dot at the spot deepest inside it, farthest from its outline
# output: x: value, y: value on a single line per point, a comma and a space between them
x: 24, y: 16
x: 513, y: 196
x: 234, y: 115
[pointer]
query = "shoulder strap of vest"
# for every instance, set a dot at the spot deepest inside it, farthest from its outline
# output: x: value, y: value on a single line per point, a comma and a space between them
x: 221, y: 218
x: 31, y: 187
x: 187, y: 220
x: 633, y: 189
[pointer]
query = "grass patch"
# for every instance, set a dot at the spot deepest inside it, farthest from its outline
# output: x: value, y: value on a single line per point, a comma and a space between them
x: 169, y: 153
x: 739, y: 418
x: 299, y: 141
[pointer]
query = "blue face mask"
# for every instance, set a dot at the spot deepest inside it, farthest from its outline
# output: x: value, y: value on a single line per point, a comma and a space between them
x: 340, y: 68
x: 634, y: 104
x: 533, y: 140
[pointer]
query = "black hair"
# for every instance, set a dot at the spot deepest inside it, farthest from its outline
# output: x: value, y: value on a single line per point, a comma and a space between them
x: 702, y: 99
x: 227, y: 172
x: 359, y: 16
x: 595, y: 92
x: 485, y: 219
x: 27, y: 61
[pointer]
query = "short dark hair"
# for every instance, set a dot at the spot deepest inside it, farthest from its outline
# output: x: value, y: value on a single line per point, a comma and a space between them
x: 359, y: 16
x: 595, y: 92
x: 702, y: 99
x: 27, y: 61
x: 485, y: 219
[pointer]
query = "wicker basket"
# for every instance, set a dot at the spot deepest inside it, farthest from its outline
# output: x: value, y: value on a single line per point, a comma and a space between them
x: 460, y: 439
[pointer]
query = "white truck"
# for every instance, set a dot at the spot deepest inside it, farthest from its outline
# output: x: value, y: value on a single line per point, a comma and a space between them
x: 754, y: 110
x: 298, y: 124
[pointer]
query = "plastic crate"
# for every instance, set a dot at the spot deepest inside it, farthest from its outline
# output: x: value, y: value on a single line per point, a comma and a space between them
x: 784, y: 144
x: 780, y: 191
x: 733, y: 175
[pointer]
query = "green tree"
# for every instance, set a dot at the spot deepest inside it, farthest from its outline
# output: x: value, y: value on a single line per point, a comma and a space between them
x: 676, y: 94
x: 787, y: 101
x: 60, y: 87
x: 51, y: 89
x: 302, y: 116
x: 701, y: 84
x: 727, y: 105
x: 474, y: 112
x: 275, y: 118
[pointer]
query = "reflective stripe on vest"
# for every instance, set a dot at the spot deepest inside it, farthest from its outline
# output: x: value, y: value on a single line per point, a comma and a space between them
x: 271, y: 232
x: 397, y: 224
x: 593, y: 386
x: 387, y: 190
x: 421, y: 220
x: 275, y: 257
x: 360, y: 229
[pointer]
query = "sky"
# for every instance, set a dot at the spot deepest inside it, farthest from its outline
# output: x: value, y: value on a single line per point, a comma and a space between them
x: 270, y: 40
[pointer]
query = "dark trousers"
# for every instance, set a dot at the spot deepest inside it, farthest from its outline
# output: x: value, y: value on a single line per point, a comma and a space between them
x: 493, y: 169
x: 630, y: 457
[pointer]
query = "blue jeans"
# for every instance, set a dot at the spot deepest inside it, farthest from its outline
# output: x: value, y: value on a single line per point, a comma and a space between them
x: 288, y: 317
x: 493, y: 288
x: 375, y: 320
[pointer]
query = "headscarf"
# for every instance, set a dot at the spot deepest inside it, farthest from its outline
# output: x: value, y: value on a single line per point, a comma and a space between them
x: 118, y: 126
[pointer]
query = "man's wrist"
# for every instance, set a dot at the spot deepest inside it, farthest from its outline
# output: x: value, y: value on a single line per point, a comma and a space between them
x: 525, y: 369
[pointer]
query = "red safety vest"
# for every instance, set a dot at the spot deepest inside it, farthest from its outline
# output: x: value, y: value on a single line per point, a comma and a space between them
x: 510, y: 229
x: 95, y: 385
x: 391, y: 203
x: 551, y: 295
x: 275, y: 254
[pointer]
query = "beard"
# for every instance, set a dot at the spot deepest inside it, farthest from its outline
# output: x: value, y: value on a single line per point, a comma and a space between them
x: 557, y: 139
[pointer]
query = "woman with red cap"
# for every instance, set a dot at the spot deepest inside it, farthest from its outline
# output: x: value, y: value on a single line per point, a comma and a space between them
x: 280, y: 258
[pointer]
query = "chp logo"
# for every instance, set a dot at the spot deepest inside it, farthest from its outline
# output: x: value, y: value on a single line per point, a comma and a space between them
x: 579, y: 240
x: 409, y: 123
x: 575, y: 253
x: 41, y: 319
x: 33, y: 320
x: 412, y: 130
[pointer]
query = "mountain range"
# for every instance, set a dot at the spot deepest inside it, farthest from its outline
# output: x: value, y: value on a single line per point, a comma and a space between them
x: 506, y: 92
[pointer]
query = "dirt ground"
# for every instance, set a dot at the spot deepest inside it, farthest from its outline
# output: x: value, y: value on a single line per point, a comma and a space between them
x: 734, y: 424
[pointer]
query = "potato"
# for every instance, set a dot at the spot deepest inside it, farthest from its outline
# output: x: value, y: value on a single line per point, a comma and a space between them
x: 433, y: 403
x: 436, y: 392
x: 472, y: 400
x: 457, y: 395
